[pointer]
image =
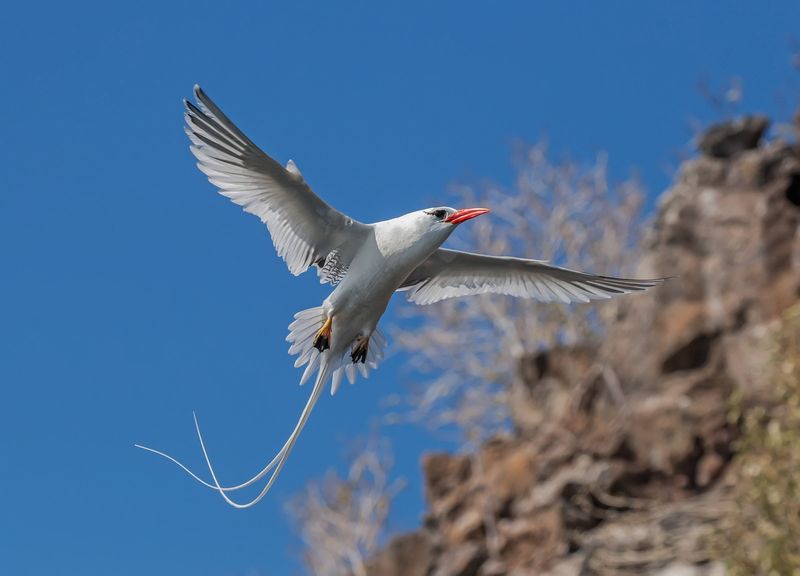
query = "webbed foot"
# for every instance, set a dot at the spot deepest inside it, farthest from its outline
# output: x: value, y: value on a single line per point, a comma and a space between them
x: 359, y: 351
x: 322, y: 340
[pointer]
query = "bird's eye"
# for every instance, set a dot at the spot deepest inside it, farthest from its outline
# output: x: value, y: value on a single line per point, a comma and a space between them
x: 440, y: 214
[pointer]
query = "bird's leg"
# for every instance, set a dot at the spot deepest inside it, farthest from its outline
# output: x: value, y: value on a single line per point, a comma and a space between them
x: 359, y: 351
x: 322, y: 341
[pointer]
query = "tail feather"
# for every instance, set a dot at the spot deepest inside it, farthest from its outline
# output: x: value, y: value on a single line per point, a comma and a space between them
x: 282, y: 456
x: 336, y: 380
x: 305, y: 357
x: 275, y: 465
x: 301, y: 338
x: 350, y: 372
x: 326, y: 366
x: 312, y: 365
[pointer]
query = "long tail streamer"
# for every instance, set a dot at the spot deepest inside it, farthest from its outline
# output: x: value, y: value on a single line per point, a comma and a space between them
x: 327, y: 365
x: 274, y: 466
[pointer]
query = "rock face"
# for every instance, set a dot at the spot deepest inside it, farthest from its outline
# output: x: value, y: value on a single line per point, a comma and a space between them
x: 729, y: 138
x: 619, y: 458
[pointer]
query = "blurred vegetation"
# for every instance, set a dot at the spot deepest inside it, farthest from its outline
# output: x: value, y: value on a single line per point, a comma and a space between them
x: 762, y: 534
x: 340, y: 518
x: 465, y: 353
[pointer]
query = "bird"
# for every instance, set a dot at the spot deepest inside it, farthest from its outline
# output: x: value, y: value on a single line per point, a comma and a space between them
x: 365, y: 263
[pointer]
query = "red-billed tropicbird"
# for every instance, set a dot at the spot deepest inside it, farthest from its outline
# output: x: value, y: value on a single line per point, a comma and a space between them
x: 367, y: 263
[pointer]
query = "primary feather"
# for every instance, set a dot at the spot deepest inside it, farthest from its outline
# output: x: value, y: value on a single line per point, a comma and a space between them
x: 304, y: 228
x: 451, y: 273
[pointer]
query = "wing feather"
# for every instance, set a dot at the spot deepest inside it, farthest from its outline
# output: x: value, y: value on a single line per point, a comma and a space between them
x: 451, y: 273
x: 305, y: 230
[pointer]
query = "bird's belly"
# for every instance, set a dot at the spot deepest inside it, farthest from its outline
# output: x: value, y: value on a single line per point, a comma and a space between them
x: 363, y: 295
x: 361, y: 298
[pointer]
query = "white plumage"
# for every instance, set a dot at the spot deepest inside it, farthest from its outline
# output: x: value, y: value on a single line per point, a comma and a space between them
x: 367, y: 263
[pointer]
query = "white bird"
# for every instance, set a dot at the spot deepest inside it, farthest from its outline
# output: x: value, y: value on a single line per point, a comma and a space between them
x: 367, y: 263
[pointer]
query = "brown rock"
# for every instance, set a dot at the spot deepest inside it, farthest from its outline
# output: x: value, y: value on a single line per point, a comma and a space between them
x: 444, y: 473
x: 406, y: 555
x: 662, y: 433
x: 726, y: 139
x: 465, y: 526
x: 546, y: 393
x: 463, y: 560
x: 728, y: 232
x: 651, y: 541
x: 532, y: 544
x: 708, y: 468
x: 619, y: 462
x: 510, y: 470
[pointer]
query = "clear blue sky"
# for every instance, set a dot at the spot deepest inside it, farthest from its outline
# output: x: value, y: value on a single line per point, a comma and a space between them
x: 132, y: 294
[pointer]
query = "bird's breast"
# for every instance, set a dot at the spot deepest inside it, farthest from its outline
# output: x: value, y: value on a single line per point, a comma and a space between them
x: 378, y: 269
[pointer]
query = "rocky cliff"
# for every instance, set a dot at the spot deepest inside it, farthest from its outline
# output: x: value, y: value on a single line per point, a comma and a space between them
x: 620, y: 459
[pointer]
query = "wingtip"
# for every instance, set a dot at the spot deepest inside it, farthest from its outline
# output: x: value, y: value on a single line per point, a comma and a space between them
x: 200, y: 95
x: 191, y: 109
x: 292, y: 168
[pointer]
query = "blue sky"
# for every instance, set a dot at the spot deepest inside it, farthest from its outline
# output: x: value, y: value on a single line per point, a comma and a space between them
x: 132, y: 294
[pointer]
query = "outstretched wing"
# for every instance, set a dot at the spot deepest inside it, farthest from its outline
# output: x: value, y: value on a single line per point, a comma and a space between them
x: 305, y: 229
x: 450, y: 273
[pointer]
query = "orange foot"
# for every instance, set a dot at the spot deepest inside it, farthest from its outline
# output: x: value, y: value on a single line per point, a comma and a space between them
x: 322, y: 341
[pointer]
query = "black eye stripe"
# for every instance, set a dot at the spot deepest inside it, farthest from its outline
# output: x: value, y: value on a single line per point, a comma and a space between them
x: 441, y: 214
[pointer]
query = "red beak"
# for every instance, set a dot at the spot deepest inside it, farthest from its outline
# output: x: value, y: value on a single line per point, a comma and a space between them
x: 465, y: 214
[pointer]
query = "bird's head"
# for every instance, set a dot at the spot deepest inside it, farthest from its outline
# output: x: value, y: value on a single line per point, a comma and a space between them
x: 440, y: 221
x: 446, y: 218
x: 429, y: 228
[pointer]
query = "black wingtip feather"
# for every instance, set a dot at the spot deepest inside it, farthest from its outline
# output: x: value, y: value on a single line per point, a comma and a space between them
x: 191, y: 108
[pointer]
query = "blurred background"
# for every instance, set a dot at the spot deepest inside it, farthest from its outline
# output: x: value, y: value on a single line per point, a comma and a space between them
x: 656, y: 434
